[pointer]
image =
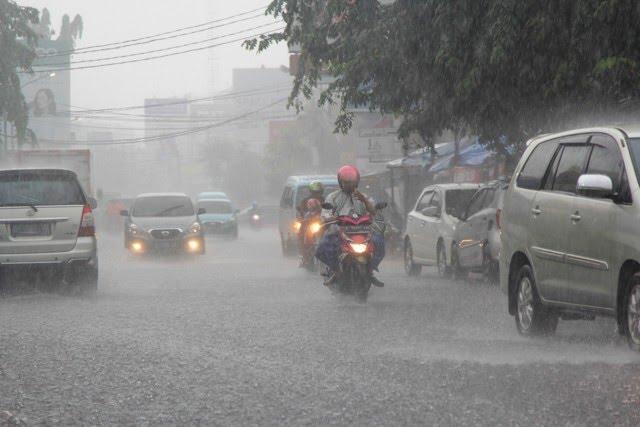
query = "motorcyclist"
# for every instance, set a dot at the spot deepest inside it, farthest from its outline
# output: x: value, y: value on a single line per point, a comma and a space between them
x: 313, y: 212
x: 348, y: 201
x: 316, y: 192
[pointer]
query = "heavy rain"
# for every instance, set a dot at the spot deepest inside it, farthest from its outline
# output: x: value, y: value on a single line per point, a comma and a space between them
x: 319, y: 212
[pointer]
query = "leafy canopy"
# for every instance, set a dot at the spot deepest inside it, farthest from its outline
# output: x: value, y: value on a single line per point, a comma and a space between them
x: 501, y: 69
x: 17, y: 42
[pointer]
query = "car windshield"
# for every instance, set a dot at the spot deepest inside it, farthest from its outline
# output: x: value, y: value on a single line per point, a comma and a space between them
x: 303, y: 192
x: 163, y: 206
x: 457, y: 201
x: 40, y: 188
x: 216, y: 207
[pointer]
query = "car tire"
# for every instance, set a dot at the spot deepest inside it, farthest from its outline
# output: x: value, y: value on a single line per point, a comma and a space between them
x: 532, y: 318
x: 410, y: 267
x: 444, y: 271
x: 630, y: 325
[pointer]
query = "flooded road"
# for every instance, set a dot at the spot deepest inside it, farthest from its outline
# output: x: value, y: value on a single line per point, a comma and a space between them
x: 241, y: 336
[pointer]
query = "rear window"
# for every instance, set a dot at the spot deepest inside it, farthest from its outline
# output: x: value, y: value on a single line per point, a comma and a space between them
x: 457, y: 201
x: 40, y: 188
x: 163, y: 206
x: 216, y: 207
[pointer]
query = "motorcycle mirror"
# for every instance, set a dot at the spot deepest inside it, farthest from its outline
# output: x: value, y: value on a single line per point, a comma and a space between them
x: 381, y: 205
x: 327, y: 206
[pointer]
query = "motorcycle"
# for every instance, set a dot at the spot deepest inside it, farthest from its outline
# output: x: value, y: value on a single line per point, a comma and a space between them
x: 255, y: 221
x: 313, y: 228
x: 356, y: 253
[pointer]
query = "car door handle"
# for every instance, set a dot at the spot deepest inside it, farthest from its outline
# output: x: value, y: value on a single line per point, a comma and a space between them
x: 536, y: 211
x: 576, y: 217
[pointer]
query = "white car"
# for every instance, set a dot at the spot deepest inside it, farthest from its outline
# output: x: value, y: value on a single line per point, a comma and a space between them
x: 429, y: 239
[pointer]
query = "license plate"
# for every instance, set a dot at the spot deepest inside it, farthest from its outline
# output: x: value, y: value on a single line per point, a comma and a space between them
x: 166, y: 245
x: 31, y: 229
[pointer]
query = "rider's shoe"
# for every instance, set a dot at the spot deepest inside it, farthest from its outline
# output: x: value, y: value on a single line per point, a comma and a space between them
x: 331, y: 280
x: 376, y: 282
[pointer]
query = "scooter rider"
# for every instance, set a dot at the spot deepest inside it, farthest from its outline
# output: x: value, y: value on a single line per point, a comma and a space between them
x: 348, y: 201
x: 316, y: 192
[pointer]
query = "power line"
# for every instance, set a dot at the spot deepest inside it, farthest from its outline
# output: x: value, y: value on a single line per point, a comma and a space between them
x: 198, y: 129
x: 85, y: 67
x: 230, y: 95
x: 164, y: 49
x: 79, y: 50
x: 158, y: 50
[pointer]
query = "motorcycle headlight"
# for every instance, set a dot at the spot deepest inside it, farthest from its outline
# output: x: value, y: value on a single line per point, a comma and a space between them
x: 256, y: 217
x: 315, y: 227
x: 195, y: 228
x: 296, y: 226
x: 358, y: 248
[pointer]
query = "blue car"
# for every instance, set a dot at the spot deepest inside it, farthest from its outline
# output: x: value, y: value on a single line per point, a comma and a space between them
x: 219, y: 217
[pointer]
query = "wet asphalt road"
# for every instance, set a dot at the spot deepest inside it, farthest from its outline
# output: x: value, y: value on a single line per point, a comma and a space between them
x: 242, y: 337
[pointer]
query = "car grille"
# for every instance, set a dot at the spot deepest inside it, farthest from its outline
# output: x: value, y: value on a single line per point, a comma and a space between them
x: 165, y: 234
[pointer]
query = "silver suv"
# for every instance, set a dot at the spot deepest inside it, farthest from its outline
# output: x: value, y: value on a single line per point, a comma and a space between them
x: 46, y: 222
x: 570, y: 232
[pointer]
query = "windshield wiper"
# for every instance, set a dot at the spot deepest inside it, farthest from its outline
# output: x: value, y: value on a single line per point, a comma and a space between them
x: 165, y: 211
x: 27, y: 205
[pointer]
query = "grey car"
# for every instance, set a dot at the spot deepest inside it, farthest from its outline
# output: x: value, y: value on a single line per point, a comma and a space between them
x: 47, y: 225
x: 477, y: 235
x: 570, y: 231
x: 163, y: 223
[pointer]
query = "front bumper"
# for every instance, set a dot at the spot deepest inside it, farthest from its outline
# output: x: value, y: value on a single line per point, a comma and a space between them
x: 85, y: 251
x: 190, y: 243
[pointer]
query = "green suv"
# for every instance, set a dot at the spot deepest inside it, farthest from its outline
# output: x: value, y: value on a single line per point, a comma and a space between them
x: 570, y: 232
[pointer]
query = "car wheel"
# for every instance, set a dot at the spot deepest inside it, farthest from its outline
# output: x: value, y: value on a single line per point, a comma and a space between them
x: 532, y: 318
x: 410, y: 267
x: 443, y: 270
x: 631, y: 306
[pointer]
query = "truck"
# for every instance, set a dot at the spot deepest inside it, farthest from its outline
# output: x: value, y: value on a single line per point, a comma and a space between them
x: 78, y: 161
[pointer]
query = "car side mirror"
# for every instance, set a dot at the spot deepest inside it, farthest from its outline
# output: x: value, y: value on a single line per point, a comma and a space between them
x: 124, y: 212
x: 595, y: 185
x: 202, y: 211
x: 92, y: 202
x: 381, y: 205
x: 327, y: 206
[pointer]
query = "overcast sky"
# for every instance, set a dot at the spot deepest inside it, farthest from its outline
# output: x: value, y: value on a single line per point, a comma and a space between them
x: 192, y: 74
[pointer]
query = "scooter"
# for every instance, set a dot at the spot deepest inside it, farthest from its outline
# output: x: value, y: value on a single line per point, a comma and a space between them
x: 255, y: 221
x: 356, y: 253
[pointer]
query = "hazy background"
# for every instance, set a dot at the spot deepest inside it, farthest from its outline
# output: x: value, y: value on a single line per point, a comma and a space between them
x: 193, y: 74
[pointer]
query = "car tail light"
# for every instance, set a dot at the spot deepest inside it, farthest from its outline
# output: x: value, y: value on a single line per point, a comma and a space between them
x: 498, y: 215
x: 87, y: 223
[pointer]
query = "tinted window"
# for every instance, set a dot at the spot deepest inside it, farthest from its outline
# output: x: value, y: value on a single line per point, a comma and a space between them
x: 163, y: 206
x: 534, y: 169
x: 216, y: 207
x: 424, y: 201
x: 457, y: 201
x: 40, y: 188
x: 606, y: 159
x: 570, y: 167
x: 476, y: 203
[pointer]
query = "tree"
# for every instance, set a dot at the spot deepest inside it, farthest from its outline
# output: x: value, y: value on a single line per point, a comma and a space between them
x: 17, y: 42
x: 501, y: 69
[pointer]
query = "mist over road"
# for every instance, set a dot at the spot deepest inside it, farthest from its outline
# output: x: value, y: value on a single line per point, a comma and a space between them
x: 241, y: 336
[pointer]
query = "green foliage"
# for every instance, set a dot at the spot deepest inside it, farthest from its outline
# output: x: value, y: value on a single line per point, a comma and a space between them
x: 501, y: 69
x: 17, y: 41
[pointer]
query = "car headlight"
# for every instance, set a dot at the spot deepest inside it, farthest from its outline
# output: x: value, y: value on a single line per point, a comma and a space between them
x: 256, y: 217
x: 134, y: 230
x: 359, y: 248
x: 195, y: 227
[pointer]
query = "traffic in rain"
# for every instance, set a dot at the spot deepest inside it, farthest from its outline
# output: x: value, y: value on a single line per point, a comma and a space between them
x: 319, y: 212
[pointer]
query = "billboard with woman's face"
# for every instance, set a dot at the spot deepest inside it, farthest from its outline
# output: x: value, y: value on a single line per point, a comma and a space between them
x: 44, y: 103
